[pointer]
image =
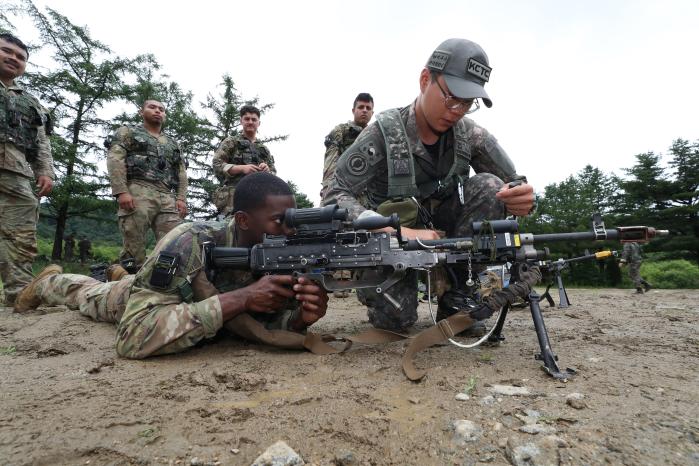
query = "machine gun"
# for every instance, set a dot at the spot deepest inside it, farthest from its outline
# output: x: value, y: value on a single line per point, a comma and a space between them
x: 326, y: 241
x: 557, y: 266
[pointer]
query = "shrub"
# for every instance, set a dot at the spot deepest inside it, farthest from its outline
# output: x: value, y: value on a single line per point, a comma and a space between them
x: 671, y: 274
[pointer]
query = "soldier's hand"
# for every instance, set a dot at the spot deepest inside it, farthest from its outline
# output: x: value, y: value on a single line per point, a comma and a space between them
x: 412, y: 233
x: 243, y: 169
x: 181, y: 208
x: 126, y: 201
x: 45, y: 185
x: 268, y: 294
x: 313, y: 299
x: 518, y: 200
x: 264, y: 167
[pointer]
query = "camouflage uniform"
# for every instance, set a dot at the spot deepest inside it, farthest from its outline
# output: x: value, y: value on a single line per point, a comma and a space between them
x: 236, y: 150
x: 153, y: 171
x: 25, y: 154
x: 362, y: 182
x: 339, y: 139
x: 103, y: 302
x: 175, y: 317
x: 631, y: 254
x: 154, y: 320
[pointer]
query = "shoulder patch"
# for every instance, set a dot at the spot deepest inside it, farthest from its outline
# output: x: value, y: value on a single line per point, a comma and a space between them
x: 357, y: 164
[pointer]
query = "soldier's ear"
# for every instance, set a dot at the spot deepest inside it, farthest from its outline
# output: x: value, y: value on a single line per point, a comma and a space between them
x: 424, y: 79
x: 242, y: 220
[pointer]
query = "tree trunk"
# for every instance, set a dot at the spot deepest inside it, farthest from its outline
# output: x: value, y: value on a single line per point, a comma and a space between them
x: 62, y: 216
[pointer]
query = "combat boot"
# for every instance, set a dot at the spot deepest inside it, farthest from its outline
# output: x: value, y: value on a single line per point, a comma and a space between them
x: 115, y: 272
x: 27, y: 298
x: 646, y: 285
x: 639, y: 290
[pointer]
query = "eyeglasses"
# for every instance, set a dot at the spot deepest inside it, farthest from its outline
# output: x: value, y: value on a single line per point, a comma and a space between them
x: 456, y: 104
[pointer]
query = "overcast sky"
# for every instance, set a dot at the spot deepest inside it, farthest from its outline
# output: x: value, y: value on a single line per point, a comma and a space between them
x: 573, y: 83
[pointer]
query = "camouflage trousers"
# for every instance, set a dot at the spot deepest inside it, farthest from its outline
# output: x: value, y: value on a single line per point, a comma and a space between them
x: 19, y: 212
x: 155, y: 210
x: 399, y: 312
x: 103, y: 302
x: 635, y: 274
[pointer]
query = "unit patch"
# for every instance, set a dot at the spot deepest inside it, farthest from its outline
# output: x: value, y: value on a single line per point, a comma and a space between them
x: 401, y: 167
x: 438, y: 60
x: 478, y: 69
x: 357, y: 165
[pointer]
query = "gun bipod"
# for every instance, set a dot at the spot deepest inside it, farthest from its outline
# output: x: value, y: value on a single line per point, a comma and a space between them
x: 547, y: 356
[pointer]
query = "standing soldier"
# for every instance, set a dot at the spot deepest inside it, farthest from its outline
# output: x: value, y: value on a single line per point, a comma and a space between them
x: 69, y: 243
x: 25, y: 154
x: 238, y: 156
x: 149, y: 180
x: 85, y: 246
x: 339, y: 139
x: 343, y: 135
x: 632, y: 255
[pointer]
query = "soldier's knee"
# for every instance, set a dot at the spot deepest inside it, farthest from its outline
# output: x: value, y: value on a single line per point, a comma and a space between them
x: 486, y: 182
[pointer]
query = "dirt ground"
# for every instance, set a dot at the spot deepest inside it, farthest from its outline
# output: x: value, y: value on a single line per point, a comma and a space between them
x: 66, y: 398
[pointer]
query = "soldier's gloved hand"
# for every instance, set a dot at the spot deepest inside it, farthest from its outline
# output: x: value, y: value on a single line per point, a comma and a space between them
x: 264, y: 167
x: 181, y: 208
x: 313, y: 299
x: 45, y: 185
x: 268, y: 294
x: 518, y: 200
x: 126, y: 201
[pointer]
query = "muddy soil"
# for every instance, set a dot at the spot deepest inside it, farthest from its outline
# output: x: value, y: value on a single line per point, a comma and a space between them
x: 66, y: 398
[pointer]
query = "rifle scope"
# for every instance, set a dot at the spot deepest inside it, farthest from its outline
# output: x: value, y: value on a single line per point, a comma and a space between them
x: 294, y: 218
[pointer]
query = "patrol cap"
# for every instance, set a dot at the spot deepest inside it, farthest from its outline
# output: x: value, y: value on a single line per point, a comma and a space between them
x: 465, y: 67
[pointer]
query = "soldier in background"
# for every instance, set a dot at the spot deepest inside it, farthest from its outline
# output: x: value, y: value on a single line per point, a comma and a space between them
x: 336, y: 142
x: 25, y: 156
x: 238, y: 156
x: 85, y: 247
x: 632, y: 255
x: 69, y: 246
x: 149, y: 180
x: 171, y: 303
x: 343, y: 135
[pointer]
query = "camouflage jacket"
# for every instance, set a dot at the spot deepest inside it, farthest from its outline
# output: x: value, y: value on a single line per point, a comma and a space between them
x: 136, y: 155
x: 24, y: 145
x: 361, y: 179
x: 173, y: 317
x: 238, y: 150
x: 336, y: 142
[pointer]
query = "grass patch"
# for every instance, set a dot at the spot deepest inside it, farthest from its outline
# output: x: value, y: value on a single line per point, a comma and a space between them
x: 471, y: 386
x: 7, y: 350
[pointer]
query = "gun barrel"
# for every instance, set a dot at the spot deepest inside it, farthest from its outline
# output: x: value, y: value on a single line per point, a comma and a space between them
x: 574, y: 236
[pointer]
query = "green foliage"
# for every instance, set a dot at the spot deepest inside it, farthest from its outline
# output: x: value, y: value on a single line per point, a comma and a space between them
x: 85, y: 76
x: 671, y: 274
x: 7, y: 350
x: 302, y: 200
